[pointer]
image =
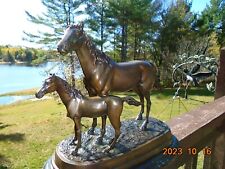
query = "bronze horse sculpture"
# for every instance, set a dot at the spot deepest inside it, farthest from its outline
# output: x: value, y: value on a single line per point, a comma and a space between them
x: 79, y: 106
x: 103, y: 75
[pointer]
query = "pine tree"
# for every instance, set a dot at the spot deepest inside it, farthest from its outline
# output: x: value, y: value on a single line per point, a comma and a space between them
x: 174, y: 26
x: 119, y: 11
x: 212, y: 20
x: 59, y: 15
x: 143, y: 25
x: 97, y: 21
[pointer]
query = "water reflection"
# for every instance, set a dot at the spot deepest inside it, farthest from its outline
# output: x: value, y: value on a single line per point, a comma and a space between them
x: 21, y: 77
x: 11, y: 99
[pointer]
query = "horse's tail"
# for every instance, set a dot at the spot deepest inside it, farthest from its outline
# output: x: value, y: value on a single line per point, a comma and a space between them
x: 131, y: 101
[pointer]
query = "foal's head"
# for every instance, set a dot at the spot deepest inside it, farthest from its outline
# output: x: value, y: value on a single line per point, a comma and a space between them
x: 71, y: 39
x: 48, y: 86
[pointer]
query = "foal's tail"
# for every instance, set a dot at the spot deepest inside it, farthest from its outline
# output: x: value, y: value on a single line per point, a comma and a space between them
x: 131, y: 101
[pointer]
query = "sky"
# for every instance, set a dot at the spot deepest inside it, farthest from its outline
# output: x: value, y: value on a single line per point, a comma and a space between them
x: 14, y: 20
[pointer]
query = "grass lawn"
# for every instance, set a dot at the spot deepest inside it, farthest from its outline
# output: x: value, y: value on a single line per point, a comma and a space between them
x: 30, y: 130
x: 18, y: 93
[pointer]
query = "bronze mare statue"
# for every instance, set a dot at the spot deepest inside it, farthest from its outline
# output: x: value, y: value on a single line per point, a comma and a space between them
x: 79, y: 106
x: 103, y: 75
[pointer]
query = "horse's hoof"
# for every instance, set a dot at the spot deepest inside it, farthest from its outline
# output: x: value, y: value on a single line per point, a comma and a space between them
x: 111, y: 141
x: 73, y: 143
x: 99, y: 140
x: 74, y: 153
x: 91, y: 131
x: 139, y: 117
x: 144, y: 126
x: 107, y: 149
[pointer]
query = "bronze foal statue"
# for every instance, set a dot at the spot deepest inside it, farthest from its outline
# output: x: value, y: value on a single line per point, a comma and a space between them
x: 79, y: 106
x: 103, y: 75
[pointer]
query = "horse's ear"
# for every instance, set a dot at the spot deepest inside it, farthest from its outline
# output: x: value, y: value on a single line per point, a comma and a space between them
x: 52, y: 74
x: 81, y: 25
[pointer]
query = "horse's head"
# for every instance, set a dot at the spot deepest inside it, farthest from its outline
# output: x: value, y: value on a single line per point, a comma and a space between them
x: 71, y: 39
x: 48, y: 86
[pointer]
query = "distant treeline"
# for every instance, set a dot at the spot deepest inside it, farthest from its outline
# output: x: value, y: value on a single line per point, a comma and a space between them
x: 29, y: 56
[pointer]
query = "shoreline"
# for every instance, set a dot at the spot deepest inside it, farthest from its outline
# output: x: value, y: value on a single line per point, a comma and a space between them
x: 19, y: 97
x: 20, y: 92
x: 28, y: 64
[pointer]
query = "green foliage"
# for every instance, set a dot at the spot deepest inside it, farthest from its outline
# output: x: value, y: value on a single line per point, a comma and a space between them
x: 212, y: 20
x: 59, y: 14
x: 97, y: 21
x: 9, y: 58
x: 138, y: 29
x: 29, y: 56
x: 135, y: 24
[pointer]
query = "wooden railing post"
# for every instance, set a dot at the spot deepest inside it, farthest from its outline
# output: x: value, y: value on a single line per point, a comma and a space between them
x: 219, y: 154
x: 192, y: 163
x: 220, y: 80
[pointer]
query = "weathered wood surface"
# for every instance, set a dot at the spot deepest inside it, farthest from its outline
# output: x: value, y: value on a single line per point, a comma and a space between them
x: 203, y: 127
x: 197, y: 129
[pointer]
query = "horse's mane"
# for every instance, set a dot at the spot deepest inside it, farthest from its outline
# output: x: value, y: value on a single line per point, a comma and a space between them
x: 69, y: 88
x: 95, y: 52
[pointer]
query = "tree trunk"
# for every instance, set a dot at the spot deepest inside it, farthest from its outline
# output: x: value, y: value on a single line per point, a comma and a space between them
x: 102, y: 26
x: 124, y: 43
x: 114, y: 44
x: 135, y: 42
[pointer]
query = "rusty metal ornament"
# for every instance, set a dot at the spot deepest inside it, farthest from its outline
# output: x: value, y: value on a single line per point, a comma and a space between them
x: 103, y: 75
x: 79, y: 106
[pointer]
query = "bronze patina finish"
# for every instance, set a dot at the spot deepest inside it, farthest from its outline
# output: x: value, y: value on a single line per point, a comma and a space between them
x: 103, y: 75
x: 79, y: 106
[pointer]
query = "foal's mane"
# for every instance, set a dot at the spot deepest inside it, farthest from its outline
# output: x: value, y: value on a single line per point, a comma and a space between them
x: 69, y: 89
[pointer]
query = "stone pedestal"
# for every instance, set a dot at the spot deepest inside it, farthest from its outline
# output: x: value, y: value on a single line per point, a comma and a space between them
x: 134, y: 148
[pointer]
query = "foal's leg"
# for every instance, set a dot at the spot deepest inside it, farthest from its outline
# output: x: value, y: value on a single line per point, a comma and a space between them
x: 116, y: 125
x: 141, y: 96
x: 114, y: 117
x: 78, y: 132
x: 147, y: 97
x: 100, y: 138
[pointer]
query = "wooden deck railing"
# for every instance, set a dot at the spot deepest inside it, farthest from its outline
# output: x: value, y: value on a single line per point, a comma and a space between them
x: 202, y: 131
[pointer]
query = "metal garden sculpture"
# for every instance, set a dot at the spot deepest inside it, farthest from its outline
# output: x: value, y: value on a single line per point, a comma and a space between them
x: 194, y: 70
x: 79, y: 106
x: 103, y: 75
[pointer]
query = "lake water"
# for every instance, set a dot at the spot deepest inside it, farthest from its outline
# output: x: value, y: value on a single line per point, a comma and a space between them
x: 12, y: 99
x: 20, y: 77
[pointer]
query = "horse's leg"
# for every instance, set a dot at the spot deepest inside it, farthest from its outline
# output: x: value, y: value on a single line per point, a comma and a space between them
x: 141, y: 96
x: 78, y: 132
x: 92, y: 129
x: 100, y: 138
x: 147, y: 97
x: 75, y: 135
